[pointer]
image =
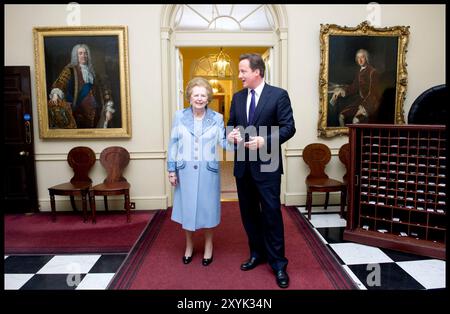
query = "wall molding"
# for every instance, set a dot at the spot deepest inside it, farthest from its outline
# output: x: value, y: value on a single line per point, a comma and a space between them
x: 134, y: 155
x: 299, y: 199
x: 114, y: 203
x: 298, y: 152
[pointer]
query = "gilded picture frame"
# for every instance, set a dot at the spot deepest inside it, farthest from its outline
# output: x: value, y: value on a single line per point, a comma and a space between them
x: 82, y: 82
x: 363, y: 76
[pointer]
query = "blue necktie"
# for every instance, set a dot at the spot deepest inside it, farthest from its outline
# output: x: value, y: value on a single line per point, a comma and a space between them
x: 251, y: 111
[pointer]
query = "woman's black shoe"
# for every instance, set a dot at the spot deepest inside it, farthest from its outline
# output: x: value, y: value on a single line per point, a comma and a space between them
x: 207, y: 261
x: 187, y: 259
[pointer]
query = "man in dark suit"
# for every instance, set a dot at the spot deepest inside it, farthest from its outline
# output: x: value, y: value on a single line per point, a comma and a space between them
x: 263, y: 114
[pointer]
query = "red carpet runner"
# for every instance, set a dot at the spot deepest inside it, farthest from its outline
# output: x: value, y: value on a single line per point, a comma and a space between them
x: 155, y: 261
x: 36, y: 233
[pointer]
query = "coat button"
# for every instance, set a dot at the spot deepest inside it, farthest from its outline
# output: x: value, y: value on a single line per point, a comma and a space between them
x: 195, y: 167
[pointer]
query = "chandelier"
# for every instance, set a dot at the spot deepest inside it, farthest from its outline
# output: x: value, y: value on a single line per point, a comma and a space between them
x: 222, y: 63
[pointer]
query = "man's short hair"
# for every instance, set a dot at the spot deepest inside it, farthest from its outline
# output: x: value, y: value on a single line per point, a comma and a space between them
x: 256, y: 62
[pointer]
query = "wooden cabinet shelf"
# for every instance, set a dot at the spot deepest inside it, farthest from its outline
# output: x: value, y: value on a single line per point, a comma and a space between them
x: 397, y: 187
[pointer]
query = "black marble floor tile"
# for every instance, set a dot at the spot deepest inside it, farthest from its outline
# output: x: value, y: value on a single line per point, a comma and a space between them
x: 25, y: 264
x: 390, y: 277
x: 332, y: 234
x: 109, y: 263
x: 53, y: 282
x: 398, y: 256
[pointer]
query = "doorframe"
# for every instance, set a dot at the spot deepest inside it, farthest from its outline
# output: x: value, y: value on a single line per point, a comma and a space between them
x: 171, y: 39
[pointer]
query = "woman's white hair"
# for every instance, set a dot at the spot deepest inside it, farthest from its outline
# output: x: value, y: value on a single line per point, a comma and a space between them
x: 365, y: 53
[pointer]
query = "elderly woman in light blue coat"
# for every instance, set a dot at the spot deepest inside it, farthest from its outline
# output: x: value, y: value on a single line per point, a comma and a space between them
x: 193, y: 167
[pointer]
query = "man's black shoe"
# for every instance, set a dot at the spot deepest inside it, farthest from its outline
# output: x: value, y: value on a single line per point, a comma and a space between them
x: 251, y: 263
x: 282, y: 278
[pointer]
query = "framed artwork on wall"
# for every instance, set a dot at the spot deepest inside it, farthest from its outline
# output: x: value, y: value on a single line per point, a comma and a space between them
x: 82, y: 82
x: 363, y: 76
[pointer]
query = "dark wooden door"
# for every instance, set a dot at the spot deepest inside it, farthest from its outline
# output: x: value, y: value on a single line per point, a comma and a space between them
x: 19, y: 171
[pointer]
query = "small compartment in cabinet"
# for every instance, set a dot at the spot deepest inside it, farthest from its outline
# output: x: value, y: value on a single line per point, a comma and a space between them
x: 400, y: 216
x: 410, y: 187
x: 367, y: 210
x: 383, y: 226
x: 437, y: 221
x: 402, y: 161
x: 364, y: 197
x: 403, y: 140
x: 400, y: 229
x: 367, y: 223
x: 410, y: 204
x: 391, y: 185
x: 384, y: 213
x: 401, y: 174
x: 441, y: 204
x: 390, y: 200
x: 420, y: 204
x: 418, y: 218
x: 423, y: 150
x: 442, y: 160
x: 422, y: 166
x: 417, y: 232
x: 383, y: 169
x: 436, y: 235
x: 381, y: 196
x: 441, y: 183
x: 400, y: 202
x: 421, y: 182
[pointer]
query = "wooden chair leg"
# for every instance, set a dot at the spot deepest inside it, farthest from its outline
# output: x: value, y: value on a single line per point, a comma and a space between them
x: 83, y: 202
x: 127, y: 205
x: 52, y: 204
x: 93, y: 207
x: 72, y: 202
x: 309, y: 203
x: 343, y: 201
x: 105, y: 200
x: 327, y: 198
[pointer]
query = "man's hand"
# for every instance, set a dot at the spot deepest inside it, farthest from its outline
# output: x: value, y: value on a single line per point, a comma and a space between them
x: 256, y: 142
x: 108, y: 116
x: 361, y: 111
x: 337, y: 92
x: 234, y: 136
x: 54, y: 99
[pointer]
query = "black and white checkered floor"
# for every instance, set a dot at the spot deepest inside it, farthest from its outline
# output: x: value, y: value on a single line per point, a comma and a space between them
x: 369, y: 267
x: 376, y: 268
x: 61, y: 272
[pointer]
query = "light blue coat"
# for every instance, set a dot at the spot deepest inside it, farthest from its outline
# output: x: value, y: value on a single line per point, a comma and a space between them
x: 192, y: 154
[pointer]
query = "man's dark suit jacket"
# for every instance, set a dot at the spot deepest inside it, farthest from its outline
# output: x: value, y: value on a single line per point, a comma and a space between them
x: 273, y: 109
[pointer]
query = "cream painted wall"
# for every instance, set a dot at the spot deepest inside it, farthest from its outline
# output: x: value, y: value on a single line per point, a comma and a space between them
x: 146, y: 169
x: 146, y: 172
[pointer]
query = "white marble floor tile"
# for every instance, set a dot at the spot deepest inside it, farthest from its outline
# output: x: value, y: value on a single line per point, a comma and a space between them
x: 354, y: 253
x: 327, y: 221
x: 16, y: 281
x: 358, y: 282
x: 429, y: 273
x: 95, y: 281
x: 69, y: 264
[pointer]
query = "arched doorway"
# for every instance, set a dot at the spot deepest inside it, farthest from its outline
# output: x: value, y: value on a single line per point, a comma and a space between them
x: 218, y: 26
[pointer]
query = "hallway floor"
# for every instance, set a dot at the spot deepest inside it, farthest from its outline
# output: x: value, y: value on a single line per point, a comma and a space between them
x: 397, y: 270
